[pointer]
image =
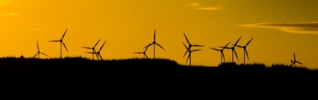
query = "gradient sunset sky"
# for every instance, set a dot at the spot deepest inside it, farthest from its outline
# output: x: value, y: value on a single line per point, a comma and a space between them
x: 279, y: 27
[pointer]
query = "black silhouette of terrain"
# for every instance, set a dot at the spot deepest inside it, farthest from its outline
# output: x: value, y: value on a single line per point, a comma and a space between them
x: 79, y: 76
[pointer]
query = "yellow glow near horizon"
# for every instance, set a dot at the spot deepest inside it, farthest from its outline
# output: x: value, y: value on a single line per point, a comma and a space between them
x: 280, y: 28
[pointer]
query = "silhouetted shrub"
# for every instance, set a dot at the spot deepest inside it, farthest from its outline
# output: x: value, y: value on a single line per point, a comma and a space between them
x: 228, y: 64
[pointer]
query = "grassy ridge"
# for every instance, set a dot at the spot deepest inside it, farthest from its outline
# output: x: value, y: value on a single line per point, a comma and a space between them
x: 30, y: 76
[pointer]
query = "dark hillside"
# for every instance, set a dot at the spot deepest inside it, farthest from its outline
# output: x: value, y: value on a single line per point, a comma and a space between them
x: 81, y: 76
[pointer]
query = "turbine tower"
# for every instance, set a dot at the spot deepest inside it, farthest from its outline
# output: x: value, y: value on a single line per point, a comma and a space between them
x: 61, y: 42
x: 221, y: 51
x: 190, y: 52
x: 233, y: 49
x: 154, y: 43
x: 93, y: 48
x: 295, y: 61
x: 144, y: 52
x: 39, y: 52
x: 244, y: 48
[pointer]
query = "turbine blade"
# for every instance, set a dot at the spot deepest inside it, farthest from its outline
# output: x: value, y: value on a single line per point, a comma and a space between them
x: 102, y: 46
x: 226, y: 45
x: 37, y: 43
x: 45, y: 54
x: 239, y: 46
x: 249, y: 41
x: 186, y: 48
x: 64, y: 33
x: 54, y: 40
x: 294, y: 57
x: 196, y: 45
x: 236, y: 55
x: 246, y: 54
x: 154, y: 35
x: 97, y: 56
x: 87, y: 47
x: 138, y: 52
x: 148, y: 45
x: 185, y: 53
x: 299, y: 62
x: 223, y: 56
x: 35, y: 55
x: 160, y: 46
x: 64, y: 46
x: 100, y: 56
x: 291, y: 64
x: 188, y: 57
x: 97, y: 42
x: 146, y: 56
x: 186, y: 38
x: 91, y: 52
x: 146, y: 49
x: 214, y: 49
x: 237, y: 40
x: 185, y: 45
x: 196, y: 50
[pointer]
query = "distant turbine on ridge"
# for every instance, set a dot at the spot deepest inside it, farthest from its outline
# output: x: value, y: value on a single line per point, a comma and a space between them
x: 144, y: 52
x: 295, y: 61
x: 39, y: 52
x: 154, y: 43
x: 98, y: 52
x: 221, y: 51
x: 93, y: 48
x: 61, y: 42
x: 190, y: 52
x: 233, y: 49
x: 244, y: 48
x: 190, y: 45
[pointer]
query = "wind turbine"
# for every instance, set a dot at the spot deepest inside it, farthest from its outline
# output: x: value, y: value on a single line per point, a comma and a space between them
x: 39, y: 52
x: 154, y: 43
x: 61, y: 42
x: 233, y: 49
x: 295, y: 61
x: 144, y: 52
x: 190, y: 51
x: 93, y: 48
x: 98, y: 52
x: 190, y: 45
x: 221, y: 51
x: 244, y: 48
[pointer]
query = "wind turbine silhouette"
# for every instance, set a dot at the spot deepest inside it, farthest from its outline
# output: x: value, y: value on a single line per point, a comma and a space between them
x: 98, y: 52
x: 93, y: 48
x: 39, y: 52
x: 233, y: 49
x: 190, y: 45
x: 144, y: 52
x: 61, y: 42
x: 154, y: 43
x: 190, y: 51
x: 244, y: 48
x: 221, y: 51
x: 295, y: 61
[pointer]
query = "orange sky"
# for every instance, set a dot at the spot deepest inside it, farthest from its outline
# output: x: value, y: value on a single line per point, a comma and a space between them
x: 279, y: 27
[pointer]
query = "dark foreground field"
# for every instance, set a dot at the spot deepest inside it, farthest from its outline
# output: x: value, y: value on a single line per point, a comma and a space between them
x: 83, y: 77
